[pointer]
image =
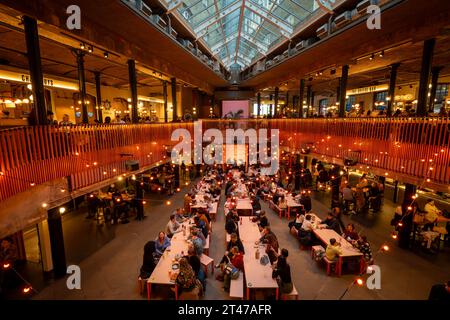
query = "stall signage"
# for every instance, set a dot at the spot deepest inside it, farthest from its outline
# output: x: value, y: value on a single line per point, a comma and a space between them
x: 367, y: 90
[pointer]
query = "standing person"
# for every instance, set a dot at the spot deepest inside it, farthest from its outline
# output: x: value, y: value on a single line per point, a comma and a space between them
x: 8, y: 257
x: 50, y: 120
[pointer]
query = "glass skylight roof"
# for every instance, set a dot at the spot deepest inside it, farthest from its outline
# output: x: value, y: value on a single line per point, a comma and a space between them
x: 244, y: 30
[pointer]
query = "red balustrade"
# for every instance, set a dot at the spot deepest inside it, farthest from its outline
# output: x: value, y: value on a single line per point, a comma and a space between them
x: 90, y: 154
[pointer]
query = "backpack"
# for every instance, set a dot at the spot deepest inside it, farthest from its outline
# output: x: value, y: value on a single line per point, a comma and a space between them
x: 232, y: 271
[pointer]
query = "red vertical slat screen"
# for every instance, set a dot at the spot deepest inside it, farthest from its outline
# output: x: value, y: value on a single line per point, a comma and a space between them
x: 41, y: 154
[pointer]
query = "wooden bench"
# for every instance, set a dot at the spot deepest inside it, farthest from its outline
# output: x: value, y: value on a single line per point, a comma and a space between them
x: 329, y: 263
x: 206, y: 261
x: 142, y: 285
x: 237, y: 287
x: 315, y: 250
x: 206, y: 247
x: 293, y: 295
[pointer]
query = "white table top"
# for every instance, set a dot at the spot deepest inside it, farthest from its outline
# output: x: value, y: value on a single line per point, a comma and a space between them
x: 244, y: 204
x: 178, y: 244
x: 256, y: 275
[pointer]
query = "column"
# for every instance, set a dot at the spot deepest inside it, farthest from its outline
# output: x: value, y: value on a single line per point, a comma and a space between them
x: 392, y: 84
x: 434, y: 82
x: 343, y: 91
x: 166, y: 116
x: 133, y: 90
x: 312, y: 102
x: 338, y: 93
x: 173, y: 82
x: 395, y: 195
x: 301, y: 97
x: 45, y: 246
x: 57, y: 242
x: 34, y: 64
x: 270, y: 107
x: 308, y: 98
x: 276, y: 100
x: 99, y: 97
x: 286, y: 101
x: 258, y: 102
x: 82, y: 85
x: 427, y: 61
x: 405, y: 231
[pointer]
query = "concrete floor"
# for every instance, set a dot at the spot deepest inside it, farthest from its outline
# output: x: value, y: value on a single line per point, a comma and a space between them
x: 111, y: 271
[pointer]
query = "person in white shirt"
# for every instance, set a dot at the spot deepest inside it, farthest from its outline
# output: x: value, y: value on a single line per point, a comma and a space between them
x: 118, y: 120
x: 172, y: 226
x: 307, y: 224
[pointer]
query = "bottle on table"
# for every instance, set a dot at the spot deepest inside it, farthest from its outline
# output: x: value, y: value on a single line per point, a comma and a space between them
x: 257, y: 254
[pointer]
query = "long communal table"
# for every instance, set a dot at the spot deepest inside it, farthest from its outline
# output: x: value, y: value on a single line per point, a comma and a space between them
x: 257, y: 276
x: 348, y: 251
x: 161, y: 275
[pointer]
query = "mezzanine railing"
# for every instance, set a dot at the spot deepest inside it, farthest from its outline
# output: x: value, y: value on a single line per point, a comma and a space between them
x: 91, y: 154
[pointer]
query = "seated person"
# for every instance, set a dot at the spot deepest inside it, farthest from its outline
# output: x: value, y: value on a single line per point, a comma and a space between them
x: 179, y: 216
x: 364, y: 247
x: 230, y: 224
x: 272, y: 254
x: 262, y: 220
x: 187, y: 281
x: 255, y: 204
x: 307, y: 224
x: 161, y: 243
x: 187, y: 202
x: 172, y: 226
x: 237, y: 260
x: 297, y: 222
x: 282, y: 273
x: 235, y: 242
x: 282, y: 203
x: 195, y: 263
x: 305, y: 201
x: 268, y: 237
x: 203, y: 217
x: 333, y: 250
x: 148, y: 264
x: 200, y: 225
x: 197, y: 242
x: 331, y: 222
x: 433, y: 214
x: 350, y: 234
x: 199, y: 234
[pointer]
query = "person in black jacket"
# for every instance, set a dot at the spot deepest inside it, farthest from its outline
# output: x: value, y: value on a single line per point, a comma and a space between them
x: 234, y: 242
x: 331, y: 222
x: 262, y: 220
x: 230, y: 224
x: 440, y: 292
x: 282, y: 273
x: 148, y: 264
x: 255, y: 204
x: 305, y: 200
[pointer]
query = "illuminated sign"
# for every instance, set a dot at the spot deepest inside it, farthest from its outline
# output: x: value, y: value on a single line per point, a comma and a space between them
x: 367, y: 90
x: 48, y: 82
